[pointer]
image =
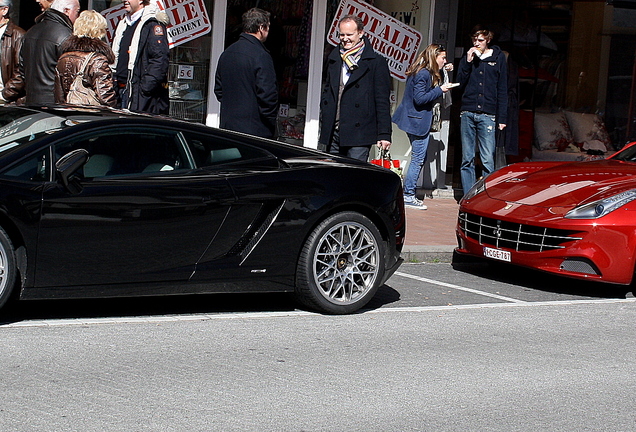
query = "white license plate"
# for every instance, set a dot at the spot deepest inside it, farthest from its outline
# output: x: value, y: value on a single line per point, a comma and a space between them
x: 497, y: 254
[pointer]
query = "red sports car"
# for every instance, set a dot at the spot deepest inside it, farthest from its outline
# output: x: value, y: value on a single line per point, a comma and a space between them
x: 572, y: 219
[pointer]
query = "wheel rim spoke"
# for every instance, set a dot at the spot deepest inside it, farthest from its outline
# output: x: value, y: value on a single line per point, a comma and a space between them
x: 3, y: 270
x: 346, y: 262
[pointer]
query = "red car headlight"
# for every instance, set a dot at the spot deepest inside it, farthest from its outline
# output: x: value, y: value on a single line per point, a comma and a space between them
x: 600, y: 208
x: 478, y: 187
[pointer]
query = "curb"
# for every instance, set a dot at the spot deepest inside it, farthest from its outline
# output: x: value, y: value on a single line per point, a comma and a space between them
x: 428, y: 254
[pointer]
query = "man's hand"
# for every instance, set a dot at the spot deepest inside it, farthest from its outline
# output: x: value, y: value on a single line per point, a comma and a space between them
x: 384, y: 144
x: 501, y: 126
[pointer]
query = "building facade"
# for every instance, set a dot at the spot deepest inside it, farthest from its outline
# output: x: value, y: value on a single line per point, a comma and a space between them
x: 569, y: 55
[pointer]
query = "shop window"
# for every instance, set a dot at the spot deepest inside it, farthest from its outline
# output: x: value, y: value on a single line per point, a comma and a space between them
x: 188, y: 80
x: 288, y: 43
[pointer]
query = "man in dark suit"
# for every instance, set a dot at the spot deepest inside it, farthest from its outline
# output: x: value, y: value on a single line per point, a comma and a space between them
x: 245, y: 82
x: 355, y: 106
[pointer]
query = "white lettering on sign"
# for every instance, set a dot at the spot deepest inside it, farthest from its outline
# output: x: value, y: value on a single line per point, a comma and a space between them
x: 185, y: 72
x: 397, y: 42
x: 188, y: 19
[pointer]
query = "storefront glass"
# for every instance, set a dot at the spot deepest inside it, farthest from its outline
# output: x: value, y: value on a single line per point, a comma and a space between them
x: 289, y: 44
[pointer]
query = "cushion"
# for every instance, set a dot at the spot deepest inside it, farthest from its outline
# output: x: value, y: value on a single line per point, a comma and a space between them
x: 588, y: 127
x: 552, y: 131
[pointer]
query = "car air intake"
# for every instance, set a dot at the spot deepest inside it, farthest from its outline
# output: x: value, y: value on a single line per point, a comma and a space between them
x: 516, y: 236
x: 579, y: 265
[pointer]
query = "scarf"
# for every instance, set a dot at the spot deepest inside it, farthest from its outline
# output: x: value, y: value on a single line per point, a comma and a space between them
x: 351, y: 56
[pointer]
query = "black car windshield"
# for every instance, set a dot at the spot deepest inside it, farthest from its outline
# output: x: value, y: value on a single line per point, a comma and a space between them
x: 20, y: 125
x: 626, y: 155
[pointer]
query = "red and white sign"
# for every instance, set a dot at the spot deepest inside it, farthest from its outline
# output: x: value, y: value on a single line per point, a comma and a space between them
x: 396, y: 41
x: 188, y: 19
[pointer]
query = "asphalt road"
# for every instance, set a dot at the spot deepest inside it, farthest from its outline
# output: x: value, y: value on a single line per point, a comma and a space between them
x: 439, y: 349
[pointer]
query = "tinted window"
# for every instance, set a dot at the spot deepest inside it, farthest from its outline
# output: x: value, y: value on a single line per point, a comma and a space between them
x: 128, y: 152
x: 628, y: 154
x: 18, y: 126
x: 32, y: 168
x: 210, y: 151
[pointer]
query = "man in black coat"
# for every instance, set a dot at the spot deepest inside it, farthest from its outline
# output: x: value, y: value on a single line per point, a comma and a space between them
x: 41, y: 50
x: 245, y: 83
x: 355, y: 106
x: 142, y: 58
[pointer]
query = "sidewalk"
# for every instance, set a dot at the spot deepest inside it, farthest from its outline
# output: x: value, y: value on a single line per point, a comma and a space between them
x: 430, y: 234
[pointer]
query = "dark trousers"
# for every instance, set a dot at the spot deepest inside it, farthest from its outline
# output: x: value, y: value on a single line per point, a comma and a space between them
x: 360, y: 153
x: 122, y: 96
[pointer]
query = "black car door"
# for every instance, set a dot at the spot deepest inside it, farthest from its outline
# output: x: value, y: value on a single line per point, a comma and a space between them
x: 255, y: 177
x: 144, y: 211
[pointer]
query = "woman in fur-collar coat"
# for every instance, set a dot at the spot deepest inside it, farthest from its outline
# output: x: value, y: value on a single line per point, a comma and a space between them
x: 88, y: 31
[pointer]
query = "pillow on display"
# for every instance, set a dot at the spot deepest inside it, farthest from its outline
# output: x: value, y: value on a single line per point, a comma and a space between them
x: 588, y: 127
x: 552, y: 131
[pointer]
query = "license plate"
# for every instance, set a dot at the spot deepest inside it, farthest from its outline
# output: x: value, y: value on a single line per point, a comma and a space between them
x: 497, y: 254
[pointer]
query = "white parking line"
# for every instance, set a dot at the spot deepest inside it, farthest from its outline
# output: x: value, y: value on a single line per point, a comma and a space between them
x: 512, y: 302
x: 461, y: 288
x: 154, y: 319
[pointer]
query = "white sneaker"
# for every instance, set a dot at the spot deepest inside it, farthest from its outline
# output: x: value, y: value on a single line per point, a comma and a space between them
x: 414, y: 202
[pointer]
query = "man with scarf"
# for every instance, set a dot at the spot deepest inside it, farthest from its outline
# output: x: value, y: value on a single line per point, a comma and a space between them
x: 355, y: 106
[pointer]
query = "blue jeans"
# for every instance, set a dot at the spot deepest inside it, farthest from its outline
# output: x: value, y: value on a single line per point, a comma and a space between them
x: 419, y: 145
x: 477, y: 129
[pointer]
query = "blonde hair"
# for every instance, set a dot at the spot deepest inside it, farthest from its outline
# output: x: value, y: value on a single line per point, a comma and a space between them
x: 91, y: 24
x: 428, y: 59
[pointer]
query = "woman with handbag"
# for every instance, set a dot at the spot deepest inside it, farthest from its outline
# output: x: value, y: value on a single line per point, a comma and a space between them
x: 83, y: 74
x: 415, y: 114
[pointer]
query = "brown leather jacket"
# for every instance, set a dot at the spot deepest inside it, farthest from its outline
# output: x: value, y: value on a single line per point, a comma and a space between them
x: 9, y: 62
x: 98, y: 76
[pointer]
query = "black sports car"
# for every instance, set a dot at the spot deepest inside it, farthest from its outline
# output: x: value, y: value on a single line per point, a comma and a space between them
x: 102, y: 203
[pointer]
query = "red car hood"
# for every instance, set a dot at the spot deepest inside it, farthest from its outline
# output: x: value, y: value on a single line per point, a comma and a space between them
x: 562, y: 185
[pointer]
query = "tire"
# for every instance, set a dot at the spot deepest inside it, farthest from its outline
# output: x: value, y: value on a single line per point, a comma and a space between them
x: 7, y: 267
x: 341, y: 265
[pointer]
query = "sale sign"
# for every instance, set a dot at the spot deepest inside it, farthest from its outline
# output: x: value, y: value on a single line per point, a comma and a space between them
x: 396, y: 41
x: 188, y: 19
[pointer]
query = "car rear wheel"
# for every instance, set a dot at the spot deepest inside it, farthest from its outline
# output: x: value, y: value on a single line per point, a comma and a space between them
x: 7, y: 267
x: 341, y: 264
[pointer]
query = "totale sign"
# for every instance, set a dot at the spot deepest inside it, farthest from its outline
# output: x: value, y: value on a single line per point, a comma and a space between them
x: 393, y: 39
x: 188, y: 19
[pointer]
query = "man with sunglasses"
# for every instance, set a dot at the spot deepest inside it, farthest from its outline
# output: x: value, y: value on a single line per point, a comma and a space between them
x: 483, y: 75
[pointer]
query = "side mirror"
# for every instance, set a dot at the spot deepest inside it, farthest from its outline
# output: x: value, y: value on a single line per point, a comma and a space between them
x: 69, y: 164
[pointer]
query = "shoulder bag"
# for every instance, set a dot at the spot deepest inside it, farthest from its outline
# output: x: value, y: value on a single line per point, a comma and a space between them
x: 78, y: 94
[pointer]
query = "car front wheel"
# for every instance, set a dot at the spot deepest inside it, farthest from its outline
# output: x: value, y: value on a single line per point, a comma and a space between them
x: 7, y: 267
x: 341, y: 264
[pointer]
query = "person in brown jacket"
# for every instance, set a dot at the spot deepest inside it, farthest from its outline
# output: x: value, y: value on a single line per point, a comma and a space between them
x: 88, y: 31
x: 11, y: 36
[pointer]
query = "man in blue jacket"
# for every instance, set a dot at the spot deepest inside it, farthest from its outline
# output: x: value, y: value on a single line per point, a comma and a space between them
x: 355, y: 106
x: 483, y: 74
x: 245, y: 82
